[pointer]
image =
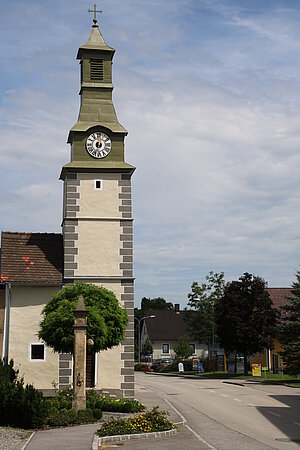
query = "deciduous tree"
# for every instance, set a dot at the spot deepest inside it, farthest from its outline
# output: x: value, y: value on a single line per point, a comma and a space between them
x: 107, y: 320
x: 202, y: 301
x: 246, y: 318
x: 183, y: 349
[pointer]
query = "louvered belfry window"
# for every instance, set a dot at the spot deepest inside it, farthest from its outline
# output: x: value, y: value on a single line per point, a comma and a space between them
x: 96, y: 69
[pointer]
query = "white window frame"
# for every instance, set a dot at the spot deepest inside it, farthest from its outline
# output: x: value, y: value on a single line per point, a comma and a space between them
x: 101, y: 184
x: 29, y: 352
x: 162, y: 349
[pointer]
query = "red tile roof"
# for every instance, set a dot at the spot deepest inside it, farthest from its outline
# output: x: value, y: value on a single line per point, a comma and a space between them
x: 278, y: 296
x: 31, y: 257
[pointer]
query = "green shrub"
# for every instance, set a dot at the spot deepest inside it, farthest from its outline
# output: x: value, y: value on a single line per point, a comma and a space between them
x: 126, y: 405
x: 147, y: 422
x: 20, y: 406
x: 138, y: 367
x: 85, y: 416
x: 63, y: 418
x: 97, y: 413
x: 92, y: 399
x: 64, y: 398
x: 187, y: 364
x: 34, y: 408
x: 26, y: 407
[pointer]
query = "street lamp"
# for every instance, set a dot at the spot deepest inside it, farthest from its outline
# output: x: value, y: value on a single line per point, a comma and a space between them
x: 139, y: 336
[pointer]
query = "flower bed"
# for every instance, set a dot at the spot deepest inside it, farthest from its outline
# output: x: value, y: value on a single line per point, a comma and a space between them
x: 148, y: 422
x: 122, y: 405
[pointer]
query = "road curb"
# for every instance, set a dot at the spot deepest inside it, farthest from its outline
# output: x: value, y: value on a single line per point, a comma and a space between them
x: 28, y: 440
x: 126, y: 437
x: 235, y: 383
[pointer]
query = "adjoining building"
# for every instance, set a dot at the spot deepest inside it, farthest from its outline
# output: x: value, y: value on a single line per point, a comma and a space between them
x: 271, y: 358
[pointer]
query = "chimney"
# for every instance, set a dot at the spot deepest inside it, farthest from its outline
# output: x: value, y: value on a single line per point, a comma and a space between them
x: 177, y: 308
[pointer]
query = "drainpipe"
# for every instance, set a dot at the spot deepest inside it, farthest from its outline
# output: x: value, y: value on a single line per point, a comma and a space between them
x: 6, y: 321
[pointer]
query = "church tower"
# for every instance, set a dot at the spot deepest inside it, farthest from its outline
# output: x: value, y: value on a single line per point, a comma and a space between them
x: 97, y: 218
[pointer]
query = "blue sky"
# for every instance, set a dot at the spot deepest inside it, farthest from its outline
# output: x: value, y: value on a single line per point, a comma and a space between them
x: 209, y: 91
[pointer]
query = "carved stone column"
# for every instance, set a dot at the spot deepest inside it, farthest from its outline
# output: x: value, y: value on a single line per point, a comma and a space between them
x: 80, y: 330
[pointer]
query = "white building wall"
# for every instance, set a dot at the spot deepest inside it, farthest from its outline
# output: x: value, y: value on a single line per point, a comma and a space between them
x: 25, y: 315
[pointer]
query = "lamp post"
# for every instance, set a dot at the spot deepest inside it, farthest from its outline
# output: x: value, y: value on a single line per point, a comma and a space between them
x: 139, y: 334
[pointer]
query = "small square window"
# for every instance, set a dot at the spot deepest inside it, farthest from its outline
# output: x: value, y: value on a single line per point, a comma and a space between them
x: 165, y: 348
x: 37, y: 352
x: 98, y: 184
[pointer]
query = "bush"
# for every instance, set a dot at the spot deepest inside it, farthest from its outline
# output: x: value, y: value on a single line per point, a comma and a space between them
x: 138, y: 367
x: 97, y: 413
x: 61, y: 412
x: 125, y: 405
x: 85, y: 416
x: 63, y: 418
x: 187, y: 364
x: 20, y: 406
x: 34, y: 408
x: 147, y: 422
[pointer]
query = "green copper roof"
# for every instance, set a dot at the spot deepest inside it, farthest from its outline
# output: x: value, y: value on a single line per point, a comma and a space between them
x: 99, y: 166
x: 96, y: 107
x: 95, y: 42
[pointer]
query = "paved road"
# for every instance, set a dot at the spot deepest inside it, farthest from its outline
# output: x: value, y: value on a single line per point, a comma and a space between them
x: 228, y: 416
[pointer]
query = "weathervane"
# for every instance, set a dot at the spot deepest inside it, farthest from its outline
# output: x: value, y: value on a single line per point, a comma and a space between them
x: 95, y: 14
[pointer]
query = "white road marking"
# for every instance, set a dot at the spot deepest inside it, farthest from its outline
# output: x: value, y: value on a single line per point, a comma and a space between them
x: 184, y: 421
x: 200, y: 438
x: 250, y: 404
x: 274, y: 414
x: 237, y: 399
x: 224, y: 395
x: 297, y: 423
x: 211, y: 390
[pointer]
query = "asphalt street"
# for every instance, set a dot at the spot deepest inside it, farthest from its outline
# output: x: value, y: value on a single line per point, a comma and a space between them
x: 211, y: 414
x: 223, y: 415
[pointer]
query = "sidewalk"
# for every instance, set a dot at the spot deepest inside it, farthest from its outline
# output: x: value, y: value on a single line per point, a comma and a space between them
x: 71, y: 438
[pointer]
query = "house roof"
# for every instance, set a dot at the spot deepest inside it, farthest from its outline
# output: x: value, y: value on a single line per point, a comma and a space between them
x: 278, y: 296
x: 169, y: 325
x: 32, y: 258
x: 166, y: 325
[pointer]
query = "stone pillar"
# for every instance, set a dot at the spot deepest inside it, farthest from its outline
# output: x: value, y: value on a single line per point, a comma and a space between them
x: 80, y: 330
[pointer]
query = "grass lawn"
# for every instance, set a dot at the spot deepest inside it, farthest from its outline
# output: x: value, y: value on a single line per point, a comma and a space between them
x: 271, y: 378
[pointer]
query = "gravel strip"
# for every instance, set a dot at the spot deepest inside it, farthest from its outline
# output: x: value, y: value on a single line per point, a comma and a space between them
x: 13, y: 438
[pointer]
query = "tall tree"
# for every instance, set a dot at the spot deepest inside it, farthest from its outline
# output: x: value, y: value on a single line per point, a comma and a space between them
x: 290, y: 329
x: 202, y: 301
x: 106, y: 320
x: 157, y: 303
x: 246, y: 318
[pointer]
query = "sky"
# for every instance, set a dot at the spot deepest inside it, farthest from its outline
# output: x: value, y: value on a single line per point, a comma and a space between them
x: 209, y: 91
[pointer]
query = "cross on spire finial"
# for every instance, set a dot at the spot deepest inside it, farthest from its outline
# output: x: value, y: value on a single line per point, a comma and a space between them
x: 95, y: 11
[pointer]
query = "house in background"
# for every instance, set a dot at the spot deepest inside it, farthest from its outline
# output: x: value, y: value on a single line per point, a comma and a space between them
x: 271, y: 358
x: 168, y: 326
x: 164, y: 331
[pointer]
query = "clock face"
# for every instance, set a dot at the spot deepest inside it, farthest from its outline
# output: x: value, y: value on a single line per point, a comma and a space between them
x: 98, y: 145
